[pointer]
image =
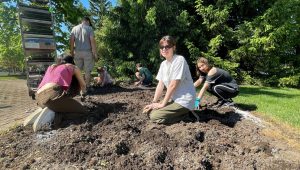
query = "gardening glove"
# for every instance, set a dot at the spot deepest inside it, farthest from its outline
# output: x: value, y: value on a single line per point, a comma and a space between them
x: 197, y: 102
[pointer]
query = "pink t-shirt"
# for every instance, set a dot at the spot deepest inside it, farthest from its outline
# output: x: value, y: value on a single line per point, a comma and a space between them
x: 61, y: 75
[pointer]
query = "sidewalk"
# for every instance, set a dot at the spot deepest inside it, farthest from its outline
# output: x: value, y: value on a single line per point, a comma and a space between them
x: 15, y: 103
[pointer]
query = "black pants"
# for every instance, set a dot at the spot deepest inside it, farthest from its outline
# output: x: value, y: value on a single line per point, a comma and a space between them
x: 223, y: 92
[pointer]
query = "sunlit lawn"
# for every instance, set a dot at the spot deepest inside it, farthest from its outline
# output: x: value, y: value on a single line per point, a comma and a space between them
x: 11, y: 77
x: 279, y: 104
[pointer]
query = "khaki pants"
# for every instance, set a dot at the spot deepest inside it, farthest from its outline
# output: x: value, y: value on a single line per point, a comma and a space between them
x: 84, y: 60
x: 55, y: 99
x: 171, y: 113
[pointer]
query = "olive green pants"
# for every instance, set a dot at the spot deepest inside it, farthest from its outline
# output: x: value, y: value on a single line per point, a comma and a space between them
x: 171, y: 113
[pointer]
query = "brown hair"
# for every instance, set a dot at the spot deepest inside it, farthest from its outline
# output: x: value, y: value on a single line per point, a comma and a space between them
x: 138, y: 65
x: 170, y: 40
x: 205, y: 61
x: 86, y: 18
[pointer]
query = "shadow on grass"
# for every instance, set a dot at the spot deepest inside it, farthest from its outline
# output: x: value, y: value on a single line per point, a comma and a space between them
x: 248, y: 107
x: 246, y: 91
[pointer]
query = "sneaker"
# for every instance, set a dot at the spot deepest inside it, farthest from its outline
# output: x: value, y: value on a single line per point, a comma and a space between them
x: 32, y: 117
x: 228, y: 103
x: 217, y: 104
x: 44, y: 120
x: 224, y: 103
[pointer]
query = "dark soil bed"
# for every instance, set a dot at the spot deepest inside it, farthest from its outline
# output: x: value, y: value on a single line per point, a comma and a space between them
x: 116, y: 135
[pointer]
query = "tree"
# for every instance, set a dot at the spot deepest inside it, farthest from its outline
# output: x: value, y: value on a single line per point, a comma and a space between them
x: 99, y: 9
x: 269, y: 43
x: 11, y: 55
x: 131, y: 32
x: 67, y: 13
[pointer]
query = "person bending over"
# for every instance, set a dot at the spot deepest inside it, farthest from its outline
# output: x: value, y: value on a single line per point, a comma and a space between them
x: 216, y: 81
x: 143, y: 75
x: 55, y: 93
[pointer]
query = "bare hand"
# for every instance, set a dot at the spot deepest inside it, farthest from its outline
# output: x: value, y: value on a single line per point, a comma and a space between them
x: 147, y: 109
x: 157, y: 106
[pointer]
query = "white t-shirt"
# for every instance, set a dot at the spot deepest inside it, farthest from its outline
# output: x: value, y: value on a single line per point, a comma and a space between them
x: 178, y: 69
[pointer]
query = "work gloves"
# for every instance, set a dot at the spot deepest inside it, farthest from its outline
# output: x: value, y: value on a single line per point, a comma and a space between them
x: 197, y: 103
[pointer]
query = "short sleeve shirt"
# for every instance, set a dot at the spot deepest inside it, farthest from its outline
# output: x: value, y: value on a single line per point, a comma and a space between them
x: 221, y: 77
x: 178, y: 69
x: 82, y: 34
x: 148, y: 75
x: 61, y: 75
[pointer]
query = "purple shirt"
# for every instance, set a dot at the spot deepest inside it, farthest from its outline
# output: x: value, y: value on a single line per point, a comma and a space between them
x: 60, y: 75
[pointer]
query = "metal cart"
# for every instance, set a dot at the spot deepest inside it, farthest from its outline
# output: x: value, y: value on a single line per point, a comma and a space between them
x: 36, y: 23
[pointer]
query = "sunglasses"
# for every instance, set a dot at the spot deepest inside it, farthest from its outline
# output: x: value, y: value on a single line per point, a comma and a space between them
x: 165, y: 47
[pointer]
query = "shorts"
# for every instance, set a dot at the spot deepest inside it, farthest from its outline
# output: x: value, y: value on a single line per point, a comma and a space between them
x: 84, y: 60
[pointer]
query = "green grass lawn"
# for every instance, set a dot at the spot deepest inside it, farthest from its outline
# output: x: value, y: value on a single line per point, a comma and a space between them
x: 279, y: 104
x: 12, y: 77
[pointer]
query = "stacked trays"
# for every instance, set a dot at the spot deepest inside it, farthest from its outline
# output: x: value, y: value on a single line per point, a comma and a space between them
x: 38, y: 40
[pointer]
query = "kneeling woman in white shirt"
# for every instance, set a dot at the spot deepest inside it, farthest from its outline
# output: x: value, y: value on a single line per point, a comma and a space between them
x: 174, y: 74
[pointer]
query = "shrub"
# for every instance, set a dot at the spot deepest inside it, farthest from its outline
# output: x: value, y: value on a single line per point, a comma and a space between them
x: 291, y: 81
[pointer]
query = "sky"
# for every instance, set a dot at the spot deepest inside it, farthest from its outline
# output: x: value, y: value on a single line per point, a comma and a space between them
x: 86, y: 3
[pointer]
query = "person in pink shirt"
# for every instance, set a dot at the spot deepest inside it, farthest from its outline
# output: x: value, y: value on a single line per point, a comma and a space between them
x: 55, y: 93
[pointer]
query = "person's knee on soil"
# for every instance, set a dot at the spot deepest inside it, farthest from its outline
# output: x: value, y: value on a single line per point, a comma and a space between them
x: 53, y: 91
x: 157, y: 117
x: 173, y: 74
x: 143, y: 75
x: 103, y: 78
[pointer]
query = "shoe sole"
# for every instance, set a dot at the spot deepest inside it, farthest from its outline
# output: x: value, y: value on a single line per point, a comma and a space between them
x: 32, y: 117
x: 46, y: 117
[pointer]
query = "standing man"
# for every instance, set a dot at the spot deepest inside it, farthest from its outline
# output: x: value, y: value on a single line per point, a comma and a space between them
x: 83, y: 42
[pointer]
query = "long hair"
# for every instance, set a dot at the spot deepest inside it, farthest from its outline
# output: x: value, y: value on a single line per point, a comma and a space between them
x: 205, y: 61
x: 74, y: 86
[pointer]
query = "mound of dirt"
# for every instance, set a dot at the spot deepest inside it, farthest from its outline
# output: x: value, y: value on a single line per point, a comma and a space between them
x: 116, y: 135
